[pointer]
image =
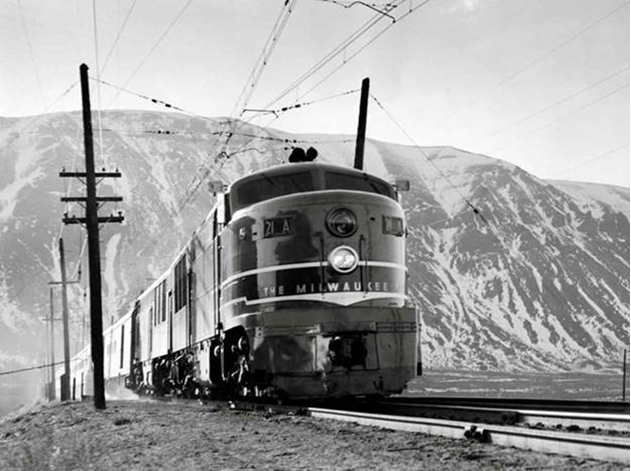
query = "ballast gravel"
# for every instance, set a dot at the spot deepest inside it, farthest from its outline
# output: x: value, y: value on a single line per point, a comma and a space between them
x: 143, y: 434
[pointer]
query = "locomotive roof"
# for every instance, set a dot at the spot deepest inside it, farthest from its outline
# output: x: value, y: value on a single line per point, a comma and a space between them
x: 303, y: 177
x: 301, y: 167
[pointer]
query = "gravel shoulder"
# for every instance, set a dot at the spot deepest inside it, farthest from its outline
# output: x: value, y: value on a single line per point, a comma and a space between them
x: 140, y: 435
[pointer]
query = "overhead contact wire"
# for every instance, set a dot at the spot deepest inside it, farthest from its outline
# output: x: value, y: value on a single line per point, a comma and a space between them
x: 560, y: 118
x: 426, y: 157
x: 534, y: 62
x: 118, y: 36
x: 548, y: 108
x: 153, y: 48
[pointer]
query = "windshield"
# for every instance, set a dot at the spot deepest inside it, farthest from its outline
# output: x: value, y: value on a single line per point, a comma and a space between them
x: 345, y: 181
x: 265, y: 188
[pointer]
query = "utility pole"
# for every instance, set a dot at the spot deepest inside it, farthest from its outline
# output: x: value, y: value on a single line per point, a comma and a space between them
x: 65, y: 381
x: 51, y: 389
x: 361, y: 125
x: 65, y: 378
x: 92, y: 220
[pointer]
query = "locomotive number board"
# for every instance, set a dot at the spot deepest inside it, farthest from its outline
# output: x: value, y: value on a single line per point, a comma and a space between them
x: 280, y: 226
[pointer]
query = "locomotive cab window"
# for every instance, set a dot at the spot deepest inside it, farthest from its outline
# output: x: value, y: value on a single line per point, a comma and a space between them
x: 264, y: 188
x: 345, y: 181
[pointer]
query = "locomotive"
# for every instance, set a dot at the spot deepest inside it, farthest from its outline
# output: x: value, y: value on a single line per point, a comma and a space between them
x: 294, y: 286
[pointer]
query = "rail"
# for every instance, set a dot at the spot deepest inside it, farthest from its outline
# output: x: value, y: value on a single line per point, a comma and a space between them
x: 574, y: 444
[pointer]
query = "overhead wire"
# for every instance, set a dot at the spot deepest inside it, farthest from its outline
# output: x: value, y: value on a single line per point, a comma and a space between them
x: 222, y: 156
x: 532, y: 63
x: 296, y: 105
x: 98, y: 88
x: 31, y: 51
x: 549, y: 107
x: 246, y: 95
x: 117, y: 38
x: 356, y: 53
x: 593, y: 159
x: 145, y: 97
x: 257, y: 70
x: 153, y: 48
x: 32, y: 368
x: 262, y: 61
x: 36, y: 118
x: 560, y: 118
x: 335, y: 52
x: 474, y: 208
x: 498, y: 231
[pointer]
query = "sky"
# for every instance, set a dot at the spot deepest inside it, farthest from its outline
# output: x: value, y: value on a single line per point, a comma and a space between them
x: 543, y: 84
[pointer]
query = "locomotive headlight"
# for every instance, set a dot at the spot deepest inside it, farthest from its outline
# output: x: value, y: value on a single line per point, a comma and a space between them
x: 343, y: 259
x: 341, y: 222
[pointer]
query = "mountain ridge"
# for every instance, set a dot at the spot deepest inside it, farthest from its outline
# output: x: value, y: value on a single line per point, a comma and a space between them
x: 509, y: 287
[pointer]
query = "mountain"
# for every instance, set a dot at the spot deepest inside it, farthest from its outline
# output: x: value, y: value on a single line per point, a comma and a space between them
x: 509, y: 272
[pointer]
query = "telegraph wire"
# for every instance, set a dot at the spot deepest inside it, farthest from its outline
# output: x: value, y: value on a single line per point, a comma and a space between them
x: 286, y: 140
x: 533, y: 62
x: 145, y: 97
x: 117, y: 38
x: 47, y: 109
x: 560, y: 118
x: 30, y: 50
x: 154, y: 47
x: 593, y: 159
x: 32, y: 368
x: 475, y: 210
x: 98, y: 87
x: 557, y: 103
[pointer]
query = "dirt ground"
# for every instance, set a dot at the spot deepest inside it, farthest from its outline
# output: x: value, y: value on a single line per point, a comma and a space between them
x: 141, y: 435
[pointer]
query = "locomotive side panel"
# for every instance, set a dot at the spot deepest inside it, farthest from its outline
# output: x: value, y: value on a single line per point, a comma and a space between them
x: 145, y: 316
x: 203, y: 271
x: 179, y: 302
x: 159, y: 321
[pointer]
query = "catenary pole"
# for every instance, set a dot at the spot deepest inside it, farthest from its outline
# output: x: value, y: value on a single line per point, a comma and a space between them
x: 361, y: 125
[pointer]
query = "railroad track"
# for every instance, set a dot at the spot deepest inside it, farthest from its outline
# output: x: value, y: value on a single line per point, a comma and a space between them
x: 500, y: 422
x: 575, y: 444
x: 590, y: 416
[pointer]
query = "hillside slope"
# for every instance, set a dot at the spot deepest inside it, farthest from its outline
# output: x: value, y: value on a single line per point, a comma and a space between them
x: 539, y: 281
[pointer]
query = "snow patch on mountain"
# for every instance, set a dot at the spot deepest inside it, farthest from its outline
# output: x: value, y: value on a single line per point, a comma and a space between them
x: 535, y: 277
x: 593, y: 196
